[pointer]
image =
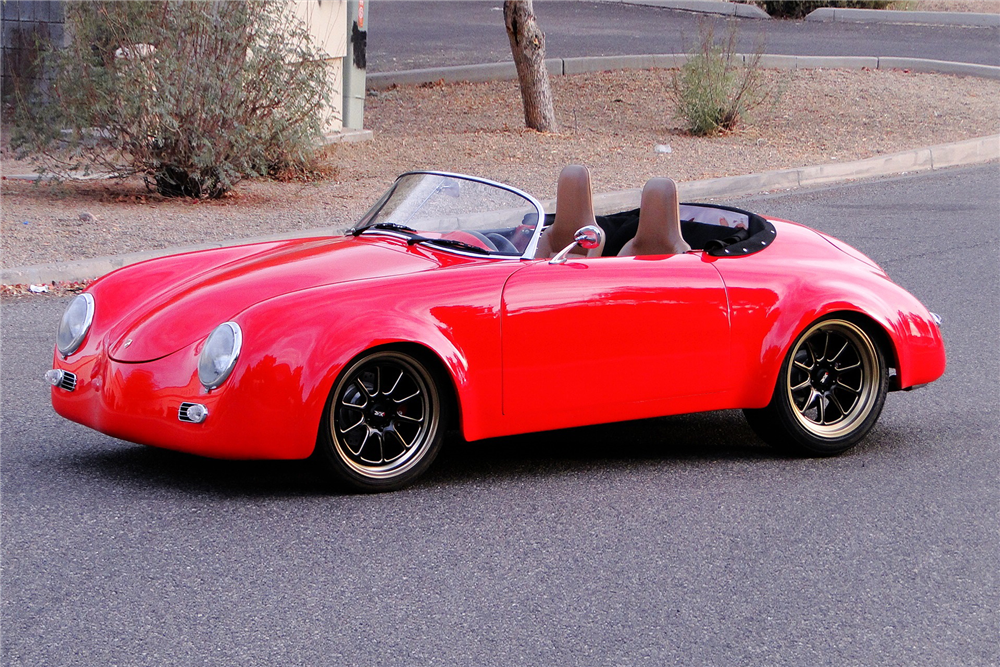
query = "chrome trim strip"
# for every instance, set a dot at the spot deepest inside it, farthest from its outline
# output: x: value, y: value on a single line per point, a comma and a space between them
x: 443, y: 248
x: 529, y: 251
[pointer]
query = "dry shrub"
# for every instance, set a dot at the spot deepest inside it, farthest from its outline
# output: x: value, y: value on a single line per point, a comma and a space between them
x: 193, y: 95
x: 715, y: 89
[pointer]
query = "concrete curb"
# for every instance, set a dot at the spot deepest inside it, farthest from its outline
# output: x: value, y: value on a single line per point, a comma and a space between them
x: 567, y: 66
x: 960, y: 153
x: 939, y: 67
x: 969, y: 152
x: 346, y: 136
x: 706, y: 7
x: 504, y: 71
x: 968, y: 20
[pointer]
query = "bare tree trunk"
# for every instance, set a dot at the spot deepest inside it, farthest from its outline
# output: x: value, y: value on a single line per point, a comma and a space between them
x: 527, y: 44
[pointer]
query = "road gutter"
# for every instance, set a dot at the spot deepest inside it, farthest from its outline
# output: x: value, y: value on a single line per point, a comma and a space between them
x: 565, y: 66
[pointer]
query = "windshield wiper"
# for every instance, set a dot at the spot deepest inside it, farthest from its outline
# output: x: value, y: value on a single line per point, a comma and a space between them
x: 451, y: 243
x: 382, y: 225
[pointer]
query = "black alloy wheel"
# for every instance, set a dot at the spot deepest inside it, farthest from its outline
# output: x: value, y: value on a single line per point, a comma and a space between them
x: 384, y: 421
x: 830, y: 391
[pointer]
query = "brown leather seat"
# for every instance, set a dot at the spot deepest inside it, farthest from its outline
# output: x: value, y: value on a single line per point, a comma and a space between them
x: 574, y: 209
x: 659, y: 231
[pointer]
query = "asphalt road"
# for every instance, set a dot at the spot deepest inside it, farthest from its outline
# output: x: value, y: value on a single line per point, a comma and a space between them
x: 677, y: 541
x: 411, y: 35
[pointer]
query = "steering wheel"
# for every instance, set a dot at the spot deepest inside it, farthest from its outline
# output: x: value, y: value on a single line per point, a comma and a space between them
x: 503, y: 245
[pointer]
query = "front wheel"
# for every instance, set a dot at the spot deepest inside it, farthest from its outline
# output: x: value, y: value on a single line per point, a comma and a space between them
x: 384, y: 422
x: 830, y: 391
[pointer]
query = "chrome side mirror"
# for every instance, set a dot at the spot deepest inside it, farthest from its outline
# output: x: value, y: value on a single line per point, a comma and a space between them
x: 588, y: 238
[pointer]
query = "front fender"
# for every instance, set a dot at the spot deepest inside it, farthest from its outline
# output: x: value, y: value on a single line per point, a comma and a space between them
x: 296, y: 345
x: 131, y: 287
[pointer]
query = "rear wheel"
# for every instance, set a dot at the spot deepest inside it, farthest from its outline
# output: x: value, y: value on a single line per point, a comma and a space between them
x: 829, y: 393
x: 384, y: 422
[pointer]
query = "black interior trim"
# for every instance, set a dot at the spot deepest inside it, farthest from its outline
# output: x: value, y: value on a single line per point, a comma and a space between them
x: 714, y: 240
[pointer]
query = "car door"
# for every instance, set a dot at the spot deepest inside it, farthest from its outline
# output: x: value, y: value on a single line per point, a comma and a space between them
x: 609, y: 338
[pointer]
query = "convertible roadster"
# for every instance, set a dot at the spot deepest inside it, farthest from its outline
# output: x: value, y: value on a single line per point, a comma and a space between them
x: 457, y: 302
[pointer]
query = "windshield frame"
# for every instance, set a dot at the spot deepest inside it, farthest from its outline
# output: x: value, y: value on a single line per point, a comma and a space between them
x: 529, y: 251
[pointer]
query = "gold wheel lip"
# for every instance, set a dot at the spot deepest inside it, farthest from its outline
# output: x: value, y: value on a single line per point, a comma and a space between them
x: 866, y: 352
x: 418, y: 449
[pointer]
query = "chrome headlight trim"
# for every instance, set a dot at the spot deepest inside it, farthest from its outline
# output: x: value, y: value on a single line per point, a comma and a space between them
x: 219, y: 355
x: 75, y: 324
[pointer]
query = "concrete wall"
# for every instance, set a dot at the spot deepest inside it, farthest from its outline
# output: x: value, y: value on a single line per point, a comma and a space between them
x: 26, y: 25
x: 327, y: 22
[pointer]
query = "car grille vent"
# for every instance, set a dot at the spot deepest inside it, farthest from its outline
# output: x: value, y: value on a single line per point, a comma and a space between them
x: 182, y: 414
x: 68, y: 381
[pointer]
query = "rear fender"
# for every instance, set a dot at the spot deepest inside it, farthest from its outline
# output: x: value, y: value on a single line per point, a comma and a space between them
x: 910, y: 340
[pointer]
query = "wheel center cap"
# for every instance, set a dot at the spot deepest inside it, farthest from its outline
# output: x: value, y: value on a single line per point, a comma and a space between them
x: 823, y: 378
x: 379, y: 415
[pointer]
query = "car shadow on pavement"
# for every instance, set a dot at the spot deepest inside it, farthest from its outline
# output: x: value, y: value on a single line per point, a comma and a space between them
x: 686, y: 440
x: 136, y: 467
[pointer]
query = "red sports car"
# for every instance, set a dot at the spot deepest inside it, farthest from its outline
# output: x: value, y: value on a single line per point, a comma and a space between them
x: 455, y: 301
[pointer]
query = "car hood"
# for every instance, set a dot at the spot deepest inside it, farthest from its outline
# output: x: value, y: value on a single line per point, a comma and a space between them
x: 192, y: 306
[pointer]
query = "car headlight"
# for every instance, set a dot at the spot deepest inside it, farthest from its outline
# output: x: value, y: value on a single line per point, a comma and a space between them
x: 75, y: 324
x: 219, y: 354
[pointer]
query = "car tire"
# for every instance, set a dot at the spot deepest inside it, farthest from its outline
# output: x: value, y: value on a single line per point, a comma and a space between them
x: 383, y: 423
x: 829, y: 394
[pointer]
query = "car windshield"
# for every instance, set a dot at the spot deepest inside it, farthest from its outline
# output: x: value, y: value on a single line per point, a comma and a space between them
x: 462, y: 213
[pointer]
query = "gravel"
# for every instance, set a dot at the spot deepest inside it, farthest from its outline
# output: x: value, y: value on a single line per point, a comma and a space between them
x: 611, y: 122
x: 976, y: 6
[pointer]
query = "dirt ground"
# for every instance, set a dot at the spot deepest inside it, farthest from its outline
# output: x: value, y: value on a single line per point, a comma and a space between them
x: 976, y: 6
x: 611, y: 122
